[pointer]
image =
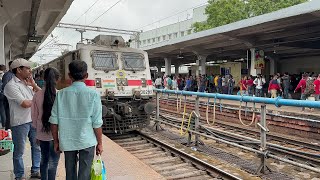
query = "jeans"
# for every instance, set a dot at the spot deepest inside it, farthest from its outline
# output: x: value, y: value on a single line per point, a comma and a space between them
x: 303, y: 97
x: 7, y: 112
x: 85, y: 162
x: 49, y: 161
x: 2, y: 112
x: 259, y: 92
x: 19, y: 135
x: 230, y: 90
x: 286, y: 93
x: 202, y: 88
x: 250, y: 90
x: 316, y: 97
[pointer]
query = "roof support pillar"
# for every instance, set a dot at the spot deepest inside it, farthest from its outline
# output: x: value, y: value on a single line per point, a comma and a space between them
x: 273, y: 65
x: 167, y: 62
x: 176, y: 69
x: 201, y: 64
x: 2, y: 53
x: 253, y: 71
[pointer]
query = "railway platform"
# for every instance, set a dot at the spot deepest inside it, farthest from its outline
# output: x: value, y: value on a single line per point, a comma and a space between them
x: 120, y: 164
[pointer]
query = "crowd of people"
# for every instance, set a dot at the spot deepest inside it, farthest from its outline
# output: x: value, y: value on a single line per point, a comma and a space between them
x: 68, y: 120
x: 259, y: 86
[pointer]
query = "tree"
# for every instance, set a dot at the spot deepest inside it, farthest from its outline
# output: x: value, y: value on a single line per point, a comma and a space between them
x: 221, y: 12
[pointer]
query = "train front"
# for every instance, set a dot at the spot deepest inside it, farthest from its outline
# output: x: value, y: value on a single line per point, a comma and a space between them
x: 122, y: 76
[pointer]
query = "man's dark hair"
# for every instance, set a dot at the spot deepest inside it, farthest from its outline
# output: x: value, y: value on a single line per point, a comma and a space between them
x: 14, y: 71
x: 78, y: 69
x: 9, y: 63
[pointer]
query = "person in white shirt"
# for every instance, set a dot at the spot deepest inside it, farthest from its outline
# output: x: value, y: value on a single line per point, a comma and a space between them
x: 259, y: 82
x: 158, y: 82
x: 174, y: 83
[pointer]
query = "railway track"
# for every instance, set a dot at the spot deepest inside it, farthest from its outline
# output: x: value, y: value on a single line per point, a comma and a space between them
x: 282, y: 123
x: 167, y: 160
x: 292, y: 149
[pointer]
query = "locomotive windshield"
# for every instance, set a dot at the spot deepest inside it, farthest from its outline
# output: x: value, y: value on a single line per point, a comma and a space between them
x: 104, y: 60
x: 133, y: 61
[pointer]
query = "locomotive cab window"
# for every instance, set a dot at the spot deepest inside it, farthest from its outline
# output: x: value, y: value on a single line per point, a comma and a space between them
x: 104, y: 60
x: 133, y: 61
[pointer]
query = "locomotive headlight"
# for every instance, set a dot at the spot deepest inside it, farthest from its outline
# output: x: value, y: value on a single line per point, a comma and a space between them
x: 125, y: 82
x: 118, y: 80
x: 143, y: 82
x: 98, y: 83
x: 122, y: 81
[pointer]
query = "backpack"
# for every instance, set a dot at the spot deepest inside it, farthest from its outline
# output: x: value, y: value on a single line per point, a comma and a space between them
x: 309, y: 87
x: 169, y: 82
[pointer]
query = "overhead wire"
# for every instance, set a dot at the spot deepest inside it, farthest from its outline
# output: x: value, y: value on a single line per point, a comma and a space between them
x: 170, y: 16
x: 99, y: 15
x: 105, y: 12
x: 86, y: 11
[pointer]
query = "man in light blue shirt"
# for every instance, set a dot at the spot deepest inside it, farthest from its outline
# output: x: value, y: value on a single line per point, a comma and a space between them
x: 77, y: 116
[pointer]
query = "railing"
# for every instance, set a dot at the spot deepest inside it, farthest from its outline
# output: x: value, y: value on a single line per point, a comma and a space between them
x: 263, y: 151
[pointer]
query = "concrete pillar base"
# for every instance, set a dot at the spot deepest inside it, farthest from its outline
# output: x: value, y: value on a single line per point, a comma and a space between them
x: 167, y: 62
x: 176, y: 69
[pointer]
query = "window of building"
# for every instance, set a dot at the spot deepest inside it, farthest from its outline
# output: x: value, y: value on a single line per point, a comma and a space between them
x: 182, y: 33
x: 144, y: 42
x: 153, y: 40
x: 170, y: 36
x: 189, y: 31
x: 159, y: 39
x: 149, y: 41
x: 164, y: 37
x: 175, y: 35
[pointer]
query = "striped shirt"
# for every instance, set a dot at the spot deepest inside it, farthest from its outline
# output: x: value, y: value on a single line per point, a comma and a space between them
x: 77, y: 110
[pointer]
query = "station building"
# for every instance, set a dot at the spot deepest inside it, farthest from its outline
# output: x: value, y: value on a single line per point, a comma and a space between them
x: 278, y: 42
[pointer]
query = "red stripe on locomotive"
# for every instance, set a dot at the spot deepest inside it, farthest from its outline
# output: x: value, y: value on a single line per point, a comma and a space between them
x: 90, y: 82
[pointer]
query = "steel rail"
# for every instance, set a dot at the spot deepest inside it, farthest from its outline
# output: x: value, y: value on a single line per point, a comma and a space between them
x: 244, y: 147
x: 239, y: 139
x: 196, y: 161
x: 315, y: 158
x: 275, y: 137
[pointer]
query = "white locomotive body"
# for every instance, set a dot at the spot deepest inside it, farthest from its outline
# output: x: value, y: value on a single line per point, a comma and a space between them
x: 121, y: 75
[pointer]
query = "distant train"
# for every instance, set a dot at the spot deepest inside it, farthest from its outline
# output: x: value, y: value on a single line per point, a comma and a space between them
x: 120, y: 74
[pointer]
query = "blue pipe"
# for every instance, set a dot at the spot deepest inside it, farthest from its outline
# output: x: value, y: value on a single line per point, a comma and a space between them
x: 276, y: 101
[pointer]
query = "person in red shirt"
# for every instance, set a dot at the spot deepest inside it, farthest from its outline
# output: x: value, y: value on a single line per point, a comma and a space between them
x: 250, y: 85
x: 317, y: 88
x: 243, y: 85
x: 274, y: 86
x: 302, y: 84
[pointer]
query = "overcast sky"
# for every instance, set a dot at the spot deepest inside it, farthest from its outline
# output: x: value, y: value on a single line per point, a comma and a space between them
x: 127, y: 14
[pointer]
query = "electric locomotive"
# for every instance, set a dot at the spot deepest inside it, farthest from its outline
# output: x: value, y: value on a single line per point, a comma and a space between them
x: 120, y: 74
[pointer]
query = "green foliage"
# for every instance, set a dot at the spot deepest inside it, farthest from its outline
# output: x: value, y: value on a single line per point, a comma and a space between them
x: 221, y: 12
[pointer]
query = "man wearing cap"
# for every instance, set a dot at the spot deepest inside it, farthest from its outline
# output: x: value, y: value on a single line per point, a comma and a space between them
x: 19, y: 92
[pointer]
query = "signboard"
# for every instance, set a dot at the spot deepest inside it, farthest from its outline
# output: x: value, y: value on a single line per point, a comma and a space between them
x: 259, y: 62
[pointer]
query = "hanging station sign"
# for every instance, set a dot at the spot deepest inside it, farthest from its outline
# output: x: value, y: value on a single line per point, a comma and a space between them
x: 259, y: 63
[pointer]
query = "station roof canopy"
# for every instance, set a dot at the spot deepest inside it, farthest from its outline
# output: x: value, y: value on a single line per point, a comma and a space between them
x: 27, y: 23
x: 287, y: 33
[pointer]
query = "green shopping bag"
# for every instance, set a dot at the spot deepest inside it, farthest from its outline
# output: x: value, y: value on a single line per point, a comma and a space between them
x: 98, y: 171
